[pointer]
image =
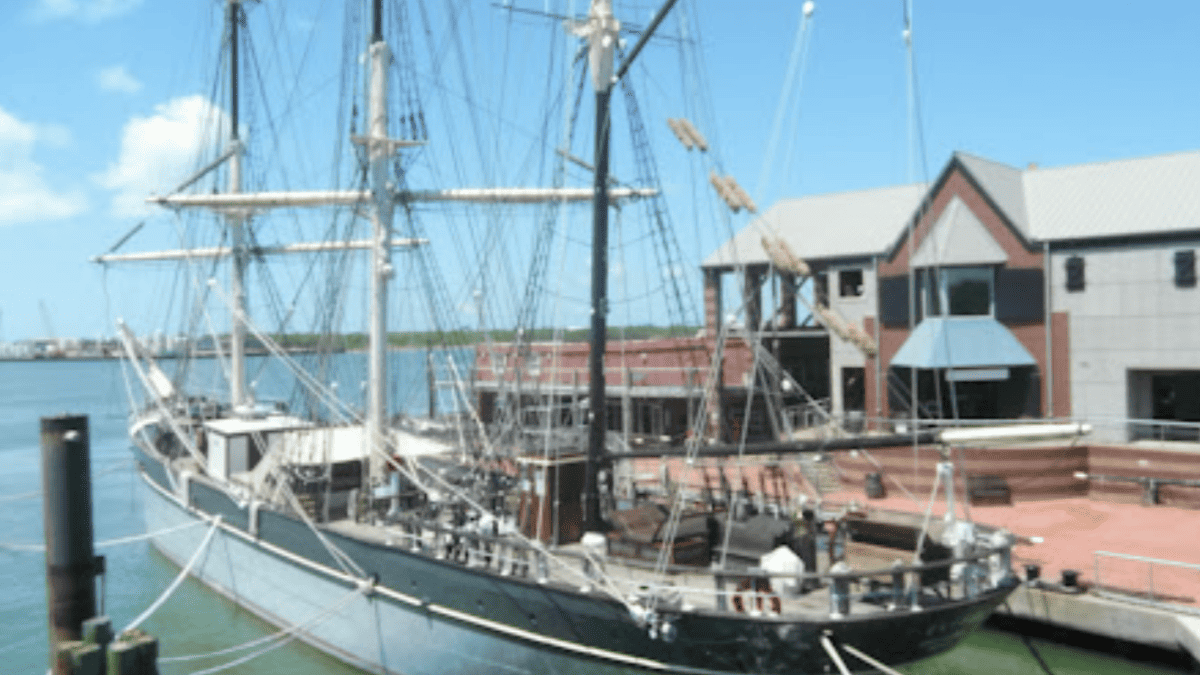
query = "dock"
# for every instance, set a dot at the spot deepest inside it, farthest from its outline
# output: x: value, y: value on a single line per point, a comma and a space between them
x: 1127, y: 572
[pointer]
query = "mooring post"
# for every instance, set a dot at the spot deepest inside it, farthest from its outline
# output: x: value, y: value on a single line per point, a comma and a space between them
x: 67, y: 512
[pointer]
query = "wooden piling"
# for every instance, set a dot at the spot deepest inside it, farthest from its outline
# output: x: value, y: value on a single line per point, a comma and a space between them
x: 67, y: 513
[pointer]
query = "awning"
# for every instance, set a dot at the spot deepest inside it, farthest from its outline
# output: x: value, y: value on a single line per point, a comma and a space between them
x: 962, y: 342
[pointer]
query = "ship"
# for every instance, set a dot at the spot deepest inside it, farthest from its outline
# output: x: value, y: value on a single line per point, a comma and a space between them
x: 401, y: 546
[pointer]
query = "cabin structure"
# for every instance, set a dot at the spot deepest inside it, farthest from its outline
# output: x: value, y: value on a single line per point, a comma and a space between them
x: 993, y: 293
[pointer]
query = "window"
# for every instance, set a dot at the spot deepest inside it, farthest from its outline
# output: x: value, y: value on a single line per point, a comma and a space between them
x: 1074, y: 273
x: 1185, y: 269
x: 968, y: 290
x: 850, y: 283
x: 957, y: 291
x: 1161, y: 400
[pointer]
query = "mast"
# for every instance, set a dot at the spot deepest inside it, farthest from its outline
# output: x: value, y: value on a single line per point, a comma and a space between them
x: 379, y: 152
x: 237, y: 228
x: 601, y: 32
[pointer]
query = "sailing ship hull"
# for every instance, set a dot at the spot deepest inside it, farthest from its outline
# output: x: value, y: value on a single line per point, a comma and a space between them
x: 429, y: 616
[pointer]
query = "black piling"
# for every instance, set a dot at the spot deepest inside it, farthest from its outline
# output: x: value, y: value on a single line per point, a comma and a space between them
x: 67, y: 511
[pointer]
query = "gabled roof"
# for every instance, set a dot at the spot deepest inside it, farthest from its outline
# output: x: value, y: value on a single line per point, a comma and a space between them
x: 845, y: 224
x: 1124, y: 198
x: 958, y: 238
x: 1003, y: 183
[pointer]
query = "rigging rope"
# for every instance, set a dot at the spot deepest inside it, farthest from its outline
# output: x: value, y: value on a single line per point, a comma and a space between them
x: 1029, y: 645
x: 339, y: 556
x: 109, y: 542
x: 831, y: 650
x: 796, y: 62
x: 216, y: 523
x: 874, y: 663
x: 288, y: 631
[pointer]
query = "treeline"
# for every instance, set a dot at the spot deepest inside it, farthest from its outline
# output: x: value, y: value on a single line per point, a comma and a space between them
x: 466, y: 338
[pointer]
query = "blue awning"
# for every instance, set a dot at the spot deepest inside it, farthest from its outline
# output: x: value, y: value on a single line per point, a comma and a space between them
x: 962, y: 342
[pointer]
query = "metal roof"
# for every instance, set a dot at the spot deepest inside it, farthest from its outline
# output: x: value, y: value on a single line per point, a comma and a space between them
x: 958, y: 238
x: 961, y: 342
x: 1130, y: 197
x: 846, y: 224
x: 1003, y: 183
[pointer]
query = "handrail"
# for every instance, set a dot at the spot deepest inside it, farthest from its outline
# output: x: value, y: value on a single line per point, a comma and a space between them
x: 1142, y: 558
x: 1154, y: 597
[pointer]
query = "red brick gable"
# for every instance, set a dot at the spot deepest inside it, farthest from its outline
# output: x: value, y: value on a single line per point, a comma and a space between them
x: 956, y: 181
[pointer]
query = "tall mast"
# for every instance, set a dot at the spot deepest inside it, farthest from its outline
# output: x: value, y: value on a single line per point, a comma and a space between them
x: 602, y: 31
x: 379, y: 151
x: 237, y: 227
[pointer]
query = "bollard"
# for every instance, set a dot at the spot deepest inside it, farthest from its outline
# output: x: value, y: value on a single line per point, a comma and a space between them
x: 67, y: 514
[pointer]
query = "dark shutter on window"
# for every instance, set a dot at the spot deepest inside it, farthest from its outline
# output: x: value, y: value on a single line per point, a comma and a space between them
x: 1074, y: 273
x: 1185, y: 269
x: 893, y: 301
x: 1020, y: 295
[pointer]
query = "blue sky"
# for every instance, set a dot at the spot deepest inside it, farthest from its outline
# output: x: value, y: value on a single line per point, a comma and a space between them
x: 102, y: 101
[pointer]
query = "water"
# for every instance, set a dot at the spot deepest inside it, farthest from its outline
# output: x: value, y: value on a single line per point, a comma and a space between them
x: 197, y: 621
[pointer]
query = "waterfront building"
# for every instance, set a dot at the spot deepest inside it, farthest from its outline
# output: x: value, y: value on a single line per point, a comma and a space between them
x: 996, y: 292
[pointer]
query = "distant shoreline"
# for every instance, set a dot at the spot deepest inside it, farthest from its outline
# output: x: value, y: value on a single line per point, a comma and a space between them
x: 356, y: 342
x: 210, y: 354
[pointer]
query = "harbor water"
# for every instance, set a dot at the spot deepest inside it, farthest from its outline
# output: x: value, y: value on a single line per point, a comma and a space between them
x: 195, y: 621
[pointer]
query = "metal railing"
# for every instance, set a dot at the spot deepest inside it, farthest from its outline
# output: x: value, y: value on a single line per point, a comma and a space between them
x: 1160, y: 595
x: 895, y: 588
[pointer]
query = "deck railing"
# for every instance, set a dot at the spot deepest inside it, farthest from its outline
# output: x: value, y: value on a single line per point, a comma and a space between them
x: 899, y: 587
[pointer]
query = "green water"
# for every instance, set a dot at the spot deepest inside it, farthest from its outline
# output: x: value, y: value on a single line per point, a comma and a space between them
x: 197, y: 621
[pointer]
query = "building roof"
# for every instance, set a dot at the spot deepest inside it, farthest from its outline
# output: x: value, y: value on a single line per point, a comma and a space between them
x: 845, y: 224
x: 1142, y: 196
x: 1123, y: 198
x: 958, y: 238
x: 1003, y: 183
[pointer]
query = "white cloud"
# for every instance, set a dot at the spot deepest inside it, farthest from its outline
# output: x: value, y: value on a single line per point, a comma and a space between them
x: 116, y: 78
x: 85, y: 10
x: 24, y: 194
x: 160, y: 151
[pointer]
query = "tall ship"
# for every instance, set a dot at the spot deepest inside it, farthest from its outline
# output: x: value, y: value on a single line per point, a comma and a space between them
x: 455, y: 545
